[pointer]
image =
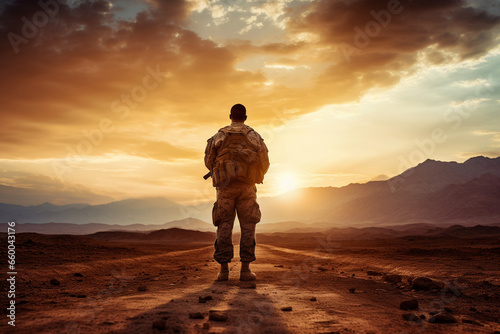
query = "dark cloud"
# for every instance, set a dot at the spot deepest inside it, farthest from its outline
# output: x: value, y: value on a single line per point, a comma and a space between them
x: 403, y: 26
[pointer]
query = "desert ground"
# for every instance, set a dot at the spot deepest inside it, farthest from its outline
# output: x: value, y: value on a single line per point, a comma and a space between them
x: 78, y: 284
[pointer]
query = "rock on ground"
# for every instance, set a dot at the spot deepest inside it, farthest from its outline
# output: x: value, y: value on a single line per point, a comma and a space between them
x: 411, y: 304
x: 426, y: 284
x: 443, y: 318
x: 160, y: 324
x: 217, y: 316
x: 393, y: 278
x: 196, y: 315
x: 411, y: 317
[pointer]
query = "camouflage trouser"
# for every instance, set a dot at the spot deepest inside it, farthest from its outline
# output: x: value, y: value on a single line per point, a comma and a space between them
x: 235, y: 198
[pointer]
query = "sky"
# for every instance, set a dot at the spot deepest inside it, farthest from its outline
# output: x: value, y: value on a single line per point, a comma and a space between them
x: 108, y: 100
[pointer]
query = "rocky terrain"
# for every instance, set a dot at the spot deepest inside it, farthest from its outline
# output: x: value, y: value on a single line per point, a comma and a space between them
x: 309, y: 284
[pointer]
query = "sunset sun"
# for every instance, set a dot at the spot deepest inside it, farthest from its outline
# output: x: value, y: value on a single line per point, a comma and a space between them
x: 287, y: 182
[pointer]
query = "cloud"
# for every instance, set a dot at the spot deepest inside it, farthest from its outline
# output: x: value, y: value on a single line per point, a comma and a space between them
x: 470, y: 103
x: 381, y: 177
x: 375, y: 43
x: 495, y: 135
x: 473, y: 83
x: 490, y: 154
x: 400, y: 27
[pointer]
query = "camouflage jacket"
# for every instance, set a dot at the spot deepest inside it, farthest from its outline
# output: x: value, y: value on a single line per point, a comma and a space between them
x: 214, y: 143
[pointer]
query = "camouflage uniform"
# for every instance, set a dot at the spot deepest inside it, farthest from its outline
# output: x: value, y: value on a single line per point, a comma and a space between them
x: 235, y: 198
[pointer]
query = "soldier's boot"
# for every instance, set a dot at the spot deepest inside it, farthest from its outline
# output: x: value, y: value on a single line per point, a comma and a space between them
x: 246, y: 274
x: 223, y: 274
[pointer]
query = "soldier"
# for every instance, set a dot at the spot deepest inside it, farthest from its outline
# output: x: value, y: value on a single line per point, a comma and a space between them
x: 237, y: 159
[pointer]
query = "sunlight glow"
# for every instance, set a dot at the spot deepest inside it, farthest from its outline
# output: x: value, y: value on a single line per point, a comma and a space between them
x: 287, y: 182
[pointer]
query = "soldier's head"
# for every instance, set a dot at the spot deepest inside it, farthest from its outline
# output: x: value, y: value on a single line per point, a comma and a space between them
x: 238, y: 113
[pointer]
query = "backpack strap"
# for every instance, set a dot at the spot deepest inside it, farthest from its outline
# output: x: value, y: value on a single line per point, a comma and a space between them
x: 225, y: 129
x: 245, y: 129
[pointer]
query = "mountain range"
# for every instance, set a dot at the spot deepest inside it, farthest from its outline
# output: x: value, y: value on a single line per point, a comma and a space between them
x: 434, y: 192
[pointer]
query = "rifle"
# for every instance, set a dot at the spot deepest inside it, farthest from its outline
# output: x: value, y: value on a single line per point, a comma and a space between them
x: 206, y: 176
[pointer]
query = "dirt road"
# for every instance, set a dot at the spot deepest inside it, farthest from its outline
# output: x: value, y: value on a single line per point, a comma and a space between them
x: 326, y: 294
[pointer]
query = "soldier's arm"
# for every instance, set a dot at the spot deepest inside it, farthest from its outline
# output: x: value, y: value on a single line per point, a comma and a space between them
x: 264, y: 157
x: 262, y: 150
x: 211, y: 150
x: 210, y: 154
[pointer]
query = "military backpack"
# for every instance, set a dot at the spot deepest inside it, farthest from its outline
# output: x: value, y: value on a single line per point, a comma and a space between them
x: 237, y: 159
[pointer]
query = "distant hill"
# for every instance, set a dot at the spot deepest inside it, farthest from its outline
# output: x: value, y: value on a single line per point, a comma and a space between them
x: 172, y: 234
x: 372, y: 233
x: 291, y: 227
x: 459, y: 231
x: 154, y: 210
x: 81, y: 229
